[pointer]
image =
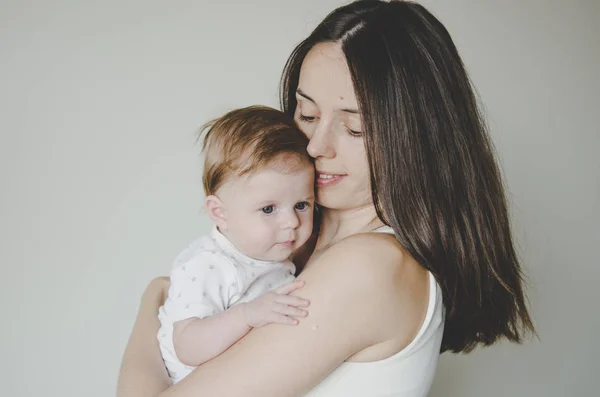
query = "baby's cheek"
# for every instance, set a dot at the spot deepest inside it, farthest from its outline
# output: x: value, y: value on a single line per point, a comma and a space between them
x: 262, y: 236
x: 305, y: 232
x: 308, y: 220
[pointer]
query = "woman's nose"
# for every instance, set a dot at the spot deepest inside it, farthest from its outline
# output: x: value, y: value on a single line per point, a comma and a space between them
x: 320, y: 144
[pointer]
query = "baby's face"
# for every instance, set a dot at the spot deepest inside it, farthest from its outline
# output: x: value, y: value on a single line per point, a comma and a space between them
x: 269, y: 214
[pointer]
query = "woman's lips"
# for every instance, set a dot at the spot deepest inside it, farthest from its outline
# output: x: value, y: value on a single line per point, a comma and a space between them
x: 327, y: 179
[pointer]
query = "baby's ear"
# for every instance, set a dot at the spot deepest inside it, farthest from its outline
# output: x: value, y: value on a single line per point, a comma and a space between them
x: 216, y: 211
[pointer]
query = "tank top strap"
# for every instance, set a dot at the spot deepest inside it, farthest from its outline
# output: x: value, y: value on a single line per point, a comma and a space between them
x: 384, y: 229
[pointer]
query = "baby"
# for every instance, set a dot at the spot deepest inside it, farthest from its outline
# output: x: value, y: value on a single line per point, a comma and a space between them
x: 259, y: 183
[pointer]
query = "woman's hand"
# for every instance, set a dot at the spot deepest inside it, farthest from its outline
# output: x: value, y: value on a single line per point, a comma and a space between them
x: 143, y: 373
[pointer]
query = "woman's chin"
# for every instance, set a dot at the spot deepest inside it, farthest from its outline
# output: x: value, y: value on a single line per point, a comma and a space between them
x: 337, y: 200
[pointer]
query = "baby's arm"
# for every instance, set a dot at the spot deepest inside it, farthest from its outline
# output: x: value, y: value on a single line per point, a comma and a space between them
x: 199, y: 340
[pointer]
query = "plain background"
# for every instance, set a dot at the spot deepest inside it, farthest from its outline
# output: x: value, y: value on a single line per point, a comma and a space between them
x: 100, y: 174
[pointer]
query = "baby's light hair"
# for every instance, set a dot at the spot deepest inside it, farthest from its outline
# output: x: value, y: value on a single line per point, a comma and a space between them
x: 247, y: 139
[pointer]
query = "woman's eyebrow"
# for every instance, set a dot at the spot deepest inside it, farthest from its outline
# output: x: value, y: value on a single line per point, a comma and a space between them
x: 302, y: 94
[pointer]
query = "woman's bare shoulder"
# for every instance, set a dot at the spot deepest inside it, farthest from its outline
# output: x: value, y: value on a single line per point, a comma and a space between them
x: 376, y: 267
x: 378, y: 254
x: 382, y: 257
x: 364, y: 262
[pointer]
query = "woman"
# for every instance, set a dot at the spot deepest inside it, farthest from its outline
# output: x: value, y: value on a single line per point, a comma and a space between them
x: 414, y: 254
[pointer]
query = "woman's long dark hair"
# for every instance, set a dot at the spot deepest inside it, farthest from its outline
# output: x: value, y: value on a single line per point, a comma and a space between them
x: 434, y: 177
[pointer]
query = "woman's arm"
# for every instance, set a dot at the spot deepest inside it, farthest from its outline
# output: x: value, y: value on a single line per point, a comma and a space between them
x: 143, y: 373
x: 354, y: 303
x: 223, y: 329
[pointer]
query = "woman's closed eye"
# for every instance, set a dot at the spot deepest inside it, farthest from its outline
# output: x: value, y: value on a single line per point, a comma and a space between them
x: 306, y: 119
x: 312, y: 119
x: 353, y: 133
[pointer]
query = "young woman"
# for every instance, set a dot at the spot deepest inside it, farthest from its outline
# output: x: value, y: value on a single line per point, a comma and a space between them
x: 414, y: 255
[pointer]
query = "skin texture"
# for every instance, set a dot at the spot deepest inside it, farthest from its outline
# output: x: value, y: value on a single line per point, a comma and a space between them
x: 368, y: 296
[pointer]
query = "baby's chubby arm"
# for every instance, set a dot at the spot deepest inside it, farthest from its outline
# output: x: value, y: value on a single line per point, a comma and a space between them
x: 199, y: 340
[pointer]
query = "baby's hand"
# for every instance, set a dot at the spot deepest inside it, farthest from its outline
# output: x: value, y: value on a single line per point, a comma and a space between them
x: 276, y: 307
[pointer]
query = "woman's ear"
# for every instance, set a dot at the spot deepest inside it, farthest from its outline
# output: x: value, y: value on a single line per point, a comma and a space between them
x: 217, y: 212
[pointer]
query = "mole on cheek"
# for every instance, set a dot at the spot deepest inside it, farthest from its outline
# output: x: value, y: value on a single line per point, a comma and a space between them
x: 341, y: 98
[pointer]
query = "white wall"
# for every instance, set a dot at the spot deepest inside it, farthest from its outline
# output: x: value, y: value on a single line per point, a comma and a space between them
x: 99, y: 174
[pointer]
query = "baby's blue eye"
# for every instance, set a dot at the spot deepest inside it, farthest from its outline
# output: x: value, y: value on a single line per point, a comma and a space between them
x: 302, y: 206
x: 268, y: 209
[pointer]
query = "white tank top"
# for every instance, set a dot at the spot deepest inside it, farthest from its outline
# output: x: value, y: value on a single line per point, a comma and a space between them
x: 408, y: 373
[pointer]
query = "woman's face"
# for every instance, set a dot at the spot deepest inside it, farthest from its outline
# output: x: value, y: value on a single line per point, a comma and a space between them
x: 327, y: 112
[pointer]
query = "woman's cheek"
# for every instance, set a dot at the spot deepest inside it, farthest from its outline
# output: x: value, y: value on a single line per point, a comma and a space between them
x: 306, y: 129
